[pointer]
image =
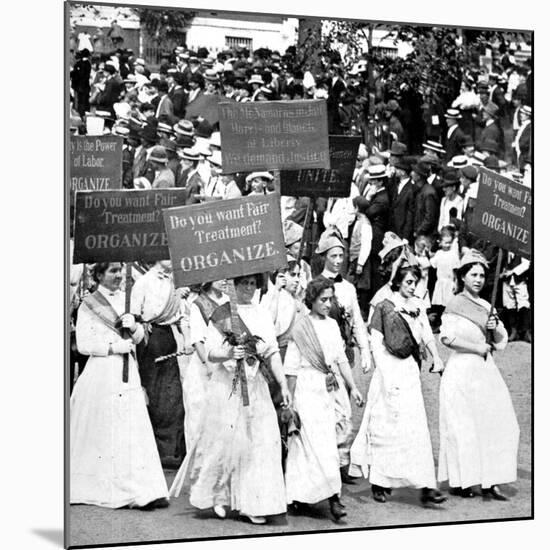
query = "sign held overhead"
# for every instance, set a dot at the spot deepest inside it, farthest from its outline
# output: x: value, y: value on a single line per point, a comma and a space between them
x: 225, y: 239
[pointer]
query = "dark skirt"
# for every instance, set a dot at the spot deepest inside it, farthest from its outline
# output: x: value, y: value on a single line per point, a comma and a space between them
x: 163, y: 386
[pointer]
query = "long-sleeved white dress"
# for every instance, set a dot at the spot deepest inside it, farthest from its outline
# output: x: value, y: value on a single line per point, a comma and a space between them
x: 393, y: 446
x: 313, y: 461
x: 479, y: 432
x: 114, y: 461
x: 236, y: 459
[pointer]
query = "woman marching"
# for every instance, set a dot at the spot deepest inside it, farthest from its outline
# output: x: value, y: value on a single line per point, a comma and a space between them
x: 114, y: 457
x: 479, y: 432
x: 317, y: 370
x: 393, y: 447
x: 197, y: 373
x: 235, y: 461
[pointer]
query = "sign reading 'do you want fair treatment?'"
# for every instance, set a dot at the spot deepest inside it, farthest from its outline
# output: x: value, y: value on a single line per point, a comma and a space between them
x: 95, y: 163
x: 123, y: 226
x: 271, y: 135
x: 225, y: 239
x: 502, y: 213
x: 335, y: 182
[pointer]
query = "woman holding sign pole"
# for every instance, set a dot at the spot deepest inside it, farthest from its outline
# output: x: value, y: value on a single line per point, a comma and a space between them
x: 479, y: 433
x: 114, y: 458
x: 235, y: 461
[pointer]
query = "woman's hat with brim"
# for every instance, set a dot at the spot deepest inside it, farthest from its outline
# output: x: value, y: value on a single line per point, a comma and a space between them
x: 263, y: 175
x: 330, y: 238
x: 292, y: 232
x: 390, y: 242
x: 473, y: 256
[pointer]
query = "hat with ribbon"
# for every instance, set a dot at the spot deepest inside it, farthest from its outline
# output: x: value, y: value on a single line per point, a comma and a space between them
x: 459, y: 161
x: 453, y: 114
x: 473, y: 256
x: 405, y: 259
x: 263, y: 175
x: 434, y: 146
x: 184, y: 128
x: 292, y: 232
x: 158, y: 154
x: 256, y: 79
x: 450, y: 177
x: 526, y: 110
x: 330, y: 238
x: 389, y: 243
x: 376, y: 171
x: 190, y: 154
x: 165, y: 128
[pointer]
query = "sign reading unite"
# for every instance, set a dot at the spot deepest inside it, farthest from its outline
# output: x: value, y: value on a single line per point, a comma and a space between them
x: 225, y: 239
x: 503, y: 213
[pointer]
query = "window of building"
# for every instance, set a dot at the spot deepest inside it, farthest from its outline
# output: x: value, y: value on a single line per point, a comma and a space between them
x: 235, y: 41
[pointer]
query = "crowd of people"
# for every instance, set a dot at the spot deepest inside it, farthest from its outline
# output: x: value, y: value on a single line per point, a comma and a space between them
x: 262, y: 424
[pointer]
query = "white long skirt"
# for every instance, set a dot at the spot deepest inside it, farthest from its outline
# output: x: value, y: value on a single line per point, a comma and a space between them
x: 479, y: 432
x: 195, y: 380
x: 236, y: 458
x: 313, y: 461
x: 114, y: 460
x: 393, y: 446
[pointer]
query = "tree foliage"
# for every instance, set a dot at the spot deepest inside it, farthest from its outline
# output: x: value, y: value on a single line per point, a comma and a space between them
x: 165, y: 25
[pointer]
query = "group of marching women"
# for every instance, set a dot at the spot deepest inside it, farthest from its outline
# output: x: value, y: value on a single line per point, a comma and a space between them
x: 277, y: 359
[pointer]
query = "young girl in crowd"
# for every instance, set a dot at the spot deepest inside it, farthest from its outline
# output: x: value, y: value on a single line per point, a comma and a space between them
x: 445, y: 261
x: 422, y: 247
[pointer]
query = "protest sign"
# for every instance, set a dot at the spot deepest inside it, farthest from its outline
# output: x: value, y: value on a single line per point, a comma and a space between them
x: 269, y: 135
x: 335, y: 182
x: 502, y: 213
x: 225, y: 239
x: 95, y: 163
x: 123, y: 225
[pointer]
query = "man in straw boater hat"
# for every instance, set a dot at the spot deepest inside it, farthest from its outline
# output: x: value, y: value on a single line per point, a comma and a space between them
x: 189, y: 178
x: 434, y: 147
x: 345, y: 310
x: 455, y: 136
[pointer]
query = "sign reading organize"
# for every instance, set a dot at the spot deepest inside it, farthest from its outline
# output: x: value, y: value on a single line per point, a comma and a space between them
x: 124, y: 225
x: 270, y: 135
x: 95, y: 163
x: 335, y: 182
x: 225, y: 239
x: 502, y: 213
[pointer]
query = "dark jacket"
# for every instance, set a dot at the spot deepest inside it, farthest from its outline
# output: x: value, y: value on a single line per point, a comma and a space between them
x: 426, y: 211
x: 179, y: 102
x: 402, y: 212
x: 454, y: 145
x: 378, y: 213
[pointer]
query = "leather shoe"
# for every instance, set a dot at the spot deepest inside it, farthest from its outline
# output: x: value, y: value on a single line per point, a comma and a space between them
x: 460, y: 492
x: 336, y: 509
x: 494, y: 493
x: 346, y: 478
x: 158, y: 503
x: 379, y: 493
x: 432, y: 496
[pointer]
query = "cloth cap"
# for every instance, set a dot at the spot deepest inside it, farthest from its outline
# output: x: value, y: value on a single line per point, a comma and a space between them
x: 292, y: 232
x: 422, y: 168
x: 469, y: 172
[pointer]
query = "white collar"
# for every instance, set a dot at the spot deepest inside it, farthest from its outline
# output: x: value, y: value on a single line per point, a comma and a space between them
x: 108, y: 293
